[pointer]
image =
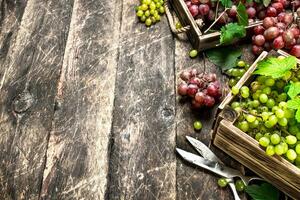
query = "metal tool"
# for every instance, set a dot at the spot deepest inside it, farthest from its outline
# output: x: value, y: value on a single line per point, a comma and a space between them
x: 212, y: 163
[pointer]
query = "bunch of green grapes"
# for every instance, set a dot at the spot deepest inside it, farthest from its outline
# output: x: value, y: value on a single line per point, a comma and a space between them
x: 237, y: 72
x: 264, y: 115
x: 149, y: 11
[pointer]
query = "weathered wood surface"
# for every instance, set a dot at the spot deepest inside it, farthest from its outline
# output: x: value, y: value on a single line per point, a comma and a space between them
x: 89, y: 108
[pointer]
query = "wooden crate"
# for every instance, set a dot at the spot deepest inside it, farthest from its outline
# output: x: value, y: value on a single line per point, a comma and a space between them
x: 199, y: 40
x: 245, y: 149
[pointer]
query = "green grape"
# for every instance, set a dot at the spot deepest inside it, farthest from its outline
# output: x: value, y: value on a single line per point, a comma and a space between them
x: 287, y: 76
x: 297, y: 149
x: 258, y: 136
x: 232, y: 82
x: 254, y: 124
x: 162, y: 10
x: 193, y: 53
x: 273, y: 120
x: 152, y: 12
x: 253, y: 112
x: 255, y: 103
x: 270, y: 103
x: 279, y: 113
x: 152, y: 6
x: 147, y: 2
x: 288, y: 113
x: 270, y: 150
x: 267, y: 90
x: 264, y: 141
x: 239, y: 185
x: 274, y: 94
x: 263, y: 98
x: 298, y: 135
x: 282, y: 97
x: 153, y: 19
x: 265, y: 116
x: 241, y: 63
x: 157, y: 17
x: 245, y: 92
x: 290, y: 139
x: 283, y: 121
x: 291, y: 154
x: 293, y: 129
x: 144, y: 7
x: 297, y: 161
x: 250, y: 118
x: 222, y: 182
x: 261, y: 79
x: 269, y: 82
x: 156, y: 1
x: 295, y: 79
x: 177, y: 25
x: 147, y: 13
x: 255, y: 95
x: 235, y: 104
x: 241, y: 72
x: 255, y: 86
x: 158, y: 5
x: 244, y: 126
x: 275, y: 139
x: 285, y: 147
x: 140, y: 13
x: 275, y: 108
x: 197, y: 125
x: 264, y: 109
x: 282, y: 105
x: 280, y: 84
x: 235, y: 72
x: 292, y: 121
x: 148, y: 22
x: 279, y: 149
x: 238, y: 109
x: 235, y: 90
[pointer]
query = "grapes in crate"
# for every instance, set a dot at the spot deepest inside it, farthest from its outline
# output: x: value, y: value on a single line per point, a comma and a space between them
x: 268, y: 107
x: 202, y: 89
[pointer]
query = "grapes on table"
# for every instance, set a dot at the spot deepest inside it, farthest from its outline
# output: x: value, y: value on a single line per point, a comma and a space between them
x: 202, y: 89
x: 149, y: 11
x: 264, y: 113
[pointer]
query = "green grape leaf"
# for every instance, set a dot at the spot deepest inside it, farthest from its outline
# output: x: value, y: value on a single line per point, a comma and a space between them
x: 262, y: 192
x: 224, y: 57
x: 266, y: 2
x: 231, y: 31
x: 275, y: 67
x: 294, y: 89
x: 294, y: 103
x: 226, y: 3
x: 297, y: 116
x: 242, y: 15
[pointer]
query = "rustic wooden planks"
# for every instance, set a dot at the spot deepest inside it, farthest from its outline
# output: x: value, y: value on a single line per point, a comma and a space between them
x: 77, y: 156
x: 29, y: 75
x: 142, y: 162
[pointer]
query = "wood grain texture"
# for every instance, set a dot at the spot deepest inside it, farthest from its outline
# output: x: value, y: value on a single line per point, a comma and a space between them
x: 29, y: 78
x: 77, y: 156
x: 142, y: 163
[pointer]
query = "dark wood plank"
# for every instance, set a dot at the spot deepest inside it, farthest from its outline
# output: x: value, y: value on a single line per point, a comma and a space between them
x: 29, y: 76
x: 142, y: 164
x: 77, y: 156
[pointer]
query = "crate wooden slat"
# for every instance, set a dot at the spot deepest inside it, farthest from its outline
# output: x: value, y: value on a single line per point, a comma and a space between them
x: 245, y: 149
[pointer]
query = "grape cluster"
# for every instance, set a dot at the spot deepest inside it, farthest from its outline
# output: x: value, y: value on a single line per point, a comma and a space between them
x: 237, y: 72
x: 264, y: 115
x: 206, y: 10
x: 150, y: 10
x: 203, y: 89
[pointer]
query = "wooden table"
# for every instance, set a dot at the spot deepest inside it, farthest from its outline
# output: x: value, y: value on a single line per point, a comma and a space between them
x: 89, y: 107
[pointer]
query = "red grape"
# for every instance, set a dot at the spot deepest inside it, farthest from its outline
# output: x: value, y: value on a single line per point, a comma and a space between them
x: 185, y: 75
x: 211, y: 15
x: 223, y: 19
x: 257, y: 50
x: 212, y: 77
x: 296, y: 4
x: 199, y: 97
x: 295, y: 51
x: 194, y: 80
x: 271, y: 33
x: 296, y: 32
x: 260, y: 7
x: 290, y: 45
x: 203, y: 9
x: 280, y: 16
x: 278, y: 42
x: 278, y: 6
x: 281, y: 25
x: 288, y: 18
x: 259, y: 40
x: 209, y: 101
x: 194, y: 10
x: 251, y: 12
x: 261, y: 14
x: 193, y: 72
x: 268, y: 22
x: 271, y: 12
x: 288, y: 37
x: 192, y: 90
x: 285, y: 3
x: 188, y: 4
x: 259, y: 30
x: 212, y: 90
x: 182, y: 89
x: 195, y: 104
x: 232, y: 12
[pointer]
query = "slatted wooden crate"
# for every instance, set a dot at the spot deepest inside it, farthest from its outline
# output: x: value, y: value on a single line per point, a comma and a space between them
x: 245, y: 149
x: 198, y: 40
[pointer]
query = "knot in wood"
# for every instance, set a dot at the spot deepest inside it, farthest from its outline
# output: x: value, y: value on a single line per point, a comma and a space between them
x: 22, y: 102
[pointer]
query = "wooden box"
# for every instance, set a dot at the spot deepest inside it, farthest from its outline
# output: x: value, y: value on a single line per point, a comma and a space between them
x: 199, y: 40
x: 245, y: 149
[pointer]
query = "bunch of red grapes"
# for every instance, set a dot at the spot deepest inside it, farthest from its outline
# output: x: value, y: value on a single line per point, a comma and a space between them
x: 202, y: 89
x: 277, y: 33
x: 206, y: 10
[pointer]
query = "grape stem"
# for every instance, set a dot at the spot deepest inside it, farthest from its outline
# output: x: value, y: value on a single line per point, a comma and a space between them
x: 247, y: 112
x: 216, y: 20
x: 217, y: 7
